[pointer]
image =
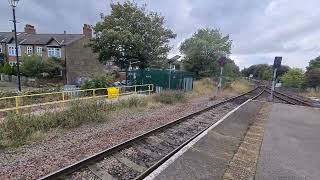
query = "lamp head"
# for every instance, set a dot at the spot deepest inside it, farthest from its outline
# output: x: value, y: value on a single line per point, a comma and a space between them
x: 13, y: 3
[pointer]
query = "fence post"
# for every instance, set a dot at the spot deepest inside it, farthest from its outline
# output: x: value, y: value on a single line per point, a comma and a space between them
x: 62, y: 99
x: 94, y: 93
x: 149, y: 89
x: 17, y: 104
x: 135, y: 89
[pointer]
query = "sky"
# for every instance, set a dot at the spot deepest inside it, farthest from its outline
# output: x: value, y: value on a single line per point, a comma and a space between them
x: 260, y: 29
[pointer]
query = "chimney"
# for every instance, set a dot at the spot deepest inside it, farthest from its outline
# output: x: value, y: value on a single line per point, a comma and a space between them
x: 29, y: 29
x: 87, y: 31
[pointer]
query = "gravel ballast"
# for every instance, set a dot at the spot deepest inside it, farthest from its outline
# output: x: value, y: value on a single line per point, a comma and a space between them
x: 60, y: 148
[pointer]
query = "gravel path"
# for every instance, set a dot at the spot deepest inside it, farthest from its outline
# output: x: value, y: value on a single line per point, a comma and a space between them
x: 63, y: 147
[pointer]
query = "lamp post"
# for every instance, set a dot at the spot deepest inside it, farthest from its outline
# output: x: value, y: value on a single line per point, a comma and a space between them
x: 13, y: 4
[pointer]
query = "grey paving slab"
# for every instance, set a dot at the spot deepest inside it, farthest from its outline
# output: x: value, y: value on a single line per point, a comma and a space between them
x: 291, y: 144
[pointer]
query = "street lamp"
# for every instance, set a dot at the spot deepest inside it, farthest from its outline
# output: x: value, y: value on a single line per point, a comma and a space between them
x: 13, y: 4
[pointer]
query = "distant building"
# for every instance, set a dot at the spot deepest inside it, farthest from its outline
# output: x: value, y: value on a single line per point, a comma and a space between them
x: 72, y: 49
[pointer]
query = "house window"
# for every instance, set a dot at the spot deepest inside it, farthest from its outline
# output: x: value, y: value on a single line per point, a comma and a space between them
x: 29, y: 50
x: 39, y: 51
x: 54, y: 52
x: 12, y: 50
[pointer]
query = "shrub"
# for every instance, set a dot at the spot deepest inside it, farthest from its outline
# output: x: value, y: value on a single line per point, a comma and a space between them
x: 170, y: 97
x: 32, y: 66
x: 240, y: 86
x: 7, y: 69
x: 53, y: 66
x: 99, y: 81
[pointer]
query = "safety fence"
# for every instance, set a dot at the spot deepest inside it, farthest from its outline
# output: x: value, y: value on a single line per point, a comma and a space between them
x: 17, y: 103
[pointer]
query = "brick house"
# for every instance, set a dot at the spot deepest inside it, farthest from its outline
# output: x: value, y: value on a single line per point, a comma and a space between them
x: 72, y: 49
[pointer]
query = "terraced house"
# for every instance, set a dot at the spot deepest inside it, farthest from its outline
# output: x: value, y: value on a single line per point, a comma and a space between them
x: 72, y: 49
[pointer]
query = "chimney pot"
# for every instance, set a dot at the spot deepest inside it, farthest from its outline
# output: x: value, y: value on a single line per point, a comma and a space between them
x: 87, y: 31
x: 29, y: 29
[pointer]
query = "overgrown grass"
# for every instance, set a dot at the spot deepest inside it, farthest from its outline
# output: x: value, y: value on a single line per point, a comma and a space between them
x: 312, y: 93
x: 203, y: 87
x: 240, y: 86
x: 17, y: 130
x: 170, y: 97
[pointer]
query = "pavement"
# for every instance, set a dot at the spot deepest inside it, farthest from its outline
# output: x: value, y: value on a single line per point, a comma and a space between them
x: 291, y: 146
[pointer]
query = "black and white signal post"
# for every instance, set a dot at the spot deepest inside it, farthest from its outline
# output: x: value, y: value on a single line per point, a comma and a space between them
x: 276, y: 66
x: 222, y: 61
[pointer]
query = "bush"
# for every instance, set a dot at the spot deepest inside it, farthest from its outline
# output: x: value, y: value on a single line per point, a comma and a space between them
x: 241, y: 86
x: 170, y: 97
x: 99, y: 81
x: 53, y: 66
x: 7, y: 69
x: 32, y: 66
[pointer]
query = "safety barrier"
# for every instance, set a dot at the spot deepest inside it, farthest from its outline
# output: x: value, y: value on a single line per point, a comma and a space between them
x: 30, y: 101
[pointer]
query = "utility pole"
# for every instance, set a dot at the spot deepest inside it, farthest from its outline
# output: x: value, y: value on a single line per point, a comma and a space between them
x: 13, y: 4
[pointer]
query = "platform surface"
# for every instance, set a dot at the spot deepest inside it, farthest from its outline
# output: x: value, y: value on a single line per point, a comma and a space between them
x: 291, y: 144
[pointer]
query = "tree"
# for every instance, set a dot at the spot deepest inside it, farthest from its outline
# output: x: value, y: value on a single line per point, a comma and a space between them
x: 203, y: 49
x: 131, y: 33
x: 313, y: 73
x: 294, y: 78
x: 264, y: 71
x: 32, y: 66
x: 231, y: 69
x: 53, y: 66
x: 314, y: 63
x: 313, y: 77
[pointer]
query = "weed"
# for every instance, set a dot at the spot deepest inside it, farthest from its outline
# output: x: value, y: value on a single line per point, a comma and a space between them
x: 170, y: 97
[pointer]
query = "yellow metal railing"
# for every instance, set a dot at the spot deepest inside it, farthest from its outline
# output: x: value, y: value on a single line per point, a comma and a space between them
x: 68, y: 96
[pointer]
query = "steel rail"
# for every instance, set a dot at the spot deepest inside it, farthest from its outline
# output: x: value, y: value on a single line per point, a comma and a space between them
x: 100, y: 155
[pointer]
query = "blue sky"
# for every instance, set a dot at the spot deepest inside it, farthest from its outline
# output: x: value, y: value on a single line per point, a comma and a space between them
x: 260, y: 29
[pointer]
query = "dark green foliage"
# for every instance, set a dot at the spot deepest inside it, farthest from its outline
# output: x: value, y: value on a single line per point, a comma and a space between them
x: 7, y: 69
x: 170, y: 97
x: 313, y: 64
x: 313, y: 77
x: 99, y: 81
x: 53, y: 66
x: 202, y: 51
x: 32, y: 66
x: 263, y: 71
x: 294, y: 78
x: 131, y: 33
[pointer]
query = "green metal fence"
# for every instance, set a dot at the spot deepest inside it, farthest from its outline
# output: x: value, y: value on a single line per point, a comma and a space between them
x: 162, y: 79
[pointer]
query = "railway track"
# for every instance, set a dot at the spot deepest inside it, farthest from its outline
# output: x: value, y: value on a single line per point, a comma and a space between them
x: 137, y: 157
x: 280, y: 97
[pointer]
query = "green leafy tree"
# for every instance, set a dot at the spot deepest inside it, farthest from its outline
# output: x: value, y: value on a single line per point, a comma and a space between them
x: 264, y: 71
x: 32, y: 66
x: 131, y: 33
x: 294, y: 78
x: 203, y: 49
x: 231, y: 69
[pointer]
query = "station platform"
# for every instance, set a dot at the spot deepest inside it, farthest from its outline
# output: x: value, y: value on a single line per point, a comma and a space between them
x: 289, y: 149
x: 291, y: 144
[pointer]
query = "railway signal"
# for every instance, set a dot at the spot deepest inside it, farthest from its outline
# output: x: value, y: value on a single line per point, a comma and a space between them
x: 276, y: 66
x: 222, y: 61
